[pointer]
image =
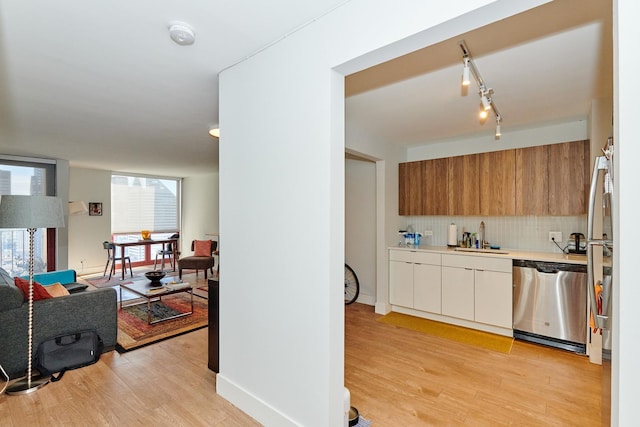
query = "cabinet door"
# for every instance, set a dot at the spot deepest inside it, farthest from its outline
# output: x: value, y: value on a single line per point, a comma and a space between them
x: 568, y: 178
x: 427, y: 285
x: 532, y: 180
x: 493, y: 298
x: 498, y: 183
x: 458, y: 292
x: 435, y: 194
x: 462, y: 176
x: 411, y: 179
x: 401, y: 283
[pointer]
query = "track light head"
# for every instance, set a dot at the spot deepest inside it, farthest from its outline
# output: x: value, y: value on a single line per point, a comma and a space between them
x: 466, y: 81
x: 486, y: 102
x: 498, y: 132
x: 483, y: 113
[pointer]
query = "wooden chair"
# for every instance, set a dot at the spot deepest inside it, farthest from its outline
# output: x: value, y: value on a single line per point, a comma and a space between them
x: 198, y: 262
x: 112, y: 258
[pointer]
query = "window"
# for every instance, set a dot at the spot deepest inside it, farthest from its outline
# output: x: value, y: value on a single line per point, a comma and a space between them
x: 144, y: 203
x: 20, y: 176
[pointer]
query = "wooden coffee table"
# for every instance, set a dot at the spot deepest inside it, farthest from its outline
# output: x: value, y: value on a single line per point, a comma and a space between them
x: 149, y: 293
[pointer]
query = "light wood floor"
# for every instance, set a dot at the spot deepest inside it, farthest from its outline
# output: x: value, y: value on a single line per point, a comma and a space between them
x: 396, y: 378
x: 399, y: 377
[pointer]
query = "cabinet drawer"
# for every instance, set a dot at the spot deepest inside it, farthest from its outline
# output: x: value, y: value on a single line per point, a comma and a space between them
x: 478, y: 262
x: 416, y: 257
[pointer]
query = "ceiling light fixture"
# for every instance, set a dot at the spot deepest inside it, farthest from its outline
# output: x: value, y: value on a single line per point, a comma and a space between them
x: 181, y: 33
x: 466, y: 80
x: 485, y: 92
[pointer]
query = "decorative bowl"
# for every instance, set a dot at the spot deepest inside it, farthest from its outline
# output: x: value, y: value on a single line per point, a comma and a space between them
x: 155, y: 276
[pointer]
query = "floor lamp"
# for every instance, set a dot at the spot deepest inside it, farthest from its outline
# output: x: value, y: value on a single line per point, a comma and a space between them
x: 30, y: 212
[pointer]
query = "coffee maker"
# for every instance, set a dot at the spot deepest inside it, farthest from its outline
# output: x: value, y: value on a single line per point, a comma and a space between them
x: 577, y: 244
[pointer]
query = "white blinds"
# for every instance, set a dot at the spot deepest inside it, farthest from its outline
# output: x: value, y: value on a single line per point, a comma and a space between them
x: 144, y: 203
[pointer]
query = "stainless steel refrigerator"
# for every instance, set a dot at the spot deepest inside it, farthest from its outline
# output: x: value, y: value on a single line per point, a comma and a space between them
x: 600, y: 264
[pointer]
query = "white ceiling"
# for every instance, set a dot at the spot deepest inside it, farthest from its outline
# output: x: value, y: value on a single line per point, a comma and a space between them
x: 103, y: 85
x: 545, y: 66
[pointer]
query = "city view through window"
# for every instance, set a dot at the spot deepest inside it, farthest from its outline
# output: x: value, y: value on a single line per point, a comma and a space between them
x: 23, y: 180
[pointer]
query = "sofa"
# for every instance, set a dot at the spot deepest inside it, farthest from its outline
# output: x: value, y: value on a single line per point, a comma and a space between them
x: 80, y: 310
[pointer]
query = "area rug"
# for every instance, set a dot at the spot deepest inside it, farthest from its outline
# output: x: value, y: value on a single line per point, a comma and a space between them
x: 482, y: 339
x: 134, y: 331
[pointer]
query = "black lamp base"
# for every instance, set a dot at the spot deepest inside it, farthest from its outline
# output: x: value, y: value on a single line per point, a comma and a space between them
x: 23, y: 386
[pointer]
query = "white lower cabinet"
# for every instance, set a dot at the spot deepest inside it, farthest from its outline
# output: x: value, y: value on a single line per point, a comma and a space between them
x: 415, y: 280
x: 478, y: 288
x: 427, y: 288
x: 493, y: 298
x: 458, y: 292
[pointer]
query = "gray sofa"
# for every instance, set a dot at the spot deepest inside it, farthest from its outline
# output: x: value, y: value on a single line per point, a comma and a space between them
x: 91, y: 309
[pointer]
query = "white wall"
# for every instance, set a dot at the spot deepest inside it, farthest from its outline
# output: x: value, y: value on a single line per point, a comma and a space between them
x: 199, y: 209
x: 86, y: 233
x: 626, y: 345
x: 281, y: 169
x: 360, y: 225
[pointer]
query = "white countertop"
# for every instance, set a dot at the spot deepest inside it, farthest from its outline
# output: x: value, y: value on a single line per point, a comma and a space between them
x: 502, y: 253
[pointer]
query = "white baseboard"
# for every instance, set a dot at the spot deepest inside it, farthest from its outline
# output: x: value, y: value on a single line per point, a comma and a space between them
x: 250, y: 404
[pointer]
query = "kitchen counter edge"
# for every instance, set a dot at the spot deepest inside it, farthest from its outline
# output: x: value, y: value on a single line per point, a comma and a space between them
x: 511, y: 254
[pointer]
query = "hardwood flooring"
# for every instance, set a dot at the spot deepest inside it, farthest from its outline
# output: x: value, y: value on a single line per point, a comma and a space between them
x: 396, y: 377
x: 399, y: 377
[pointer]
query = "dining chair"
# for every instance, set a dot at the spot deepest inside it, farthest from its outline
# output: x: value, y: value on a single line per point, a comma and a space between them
x: 168, y: 251
x: 112, y: 258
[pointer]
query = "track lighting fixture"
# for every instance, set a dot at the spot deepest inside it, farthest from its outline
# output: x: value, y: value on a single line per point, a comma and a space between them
x: 485, y: 93
x: 465, y: 73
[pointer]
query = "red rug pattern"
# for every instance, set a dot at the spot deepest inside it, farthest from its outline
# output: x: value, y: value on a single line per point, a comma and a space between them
x: 134, y: 332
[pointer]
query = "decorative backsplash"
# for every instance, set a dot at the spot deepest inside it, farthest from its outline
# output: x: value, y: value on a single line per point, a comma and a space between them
x: 529, y: 233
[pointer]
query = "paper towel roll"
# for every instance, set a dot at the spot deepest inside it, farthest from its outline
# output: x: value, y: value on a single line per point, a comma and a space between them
x: 452, y: 235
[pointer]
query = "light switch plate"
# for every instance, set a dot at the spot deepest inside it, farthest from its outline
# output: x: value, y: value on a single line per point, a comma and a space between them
x: 428, y: 233
x: 557, y: 235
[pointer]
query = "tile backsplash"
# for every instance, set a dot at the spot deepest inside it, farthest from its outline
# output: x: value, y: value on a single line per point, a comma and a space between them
x: 529, y: 233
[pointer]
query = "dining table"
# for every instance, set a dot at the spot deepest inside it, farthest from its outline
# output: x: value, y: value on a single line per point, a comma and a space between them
x: 148, y: 242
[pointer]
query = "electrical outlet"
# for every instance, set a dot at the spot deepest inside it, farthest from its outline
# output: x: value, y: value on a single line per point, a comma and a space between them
x: 428, y: 233
x: 555, y: 235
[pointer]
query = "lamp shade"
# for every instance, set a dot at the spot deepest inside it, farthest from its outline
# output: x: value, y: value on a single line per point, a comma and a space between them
x: 31, y: 212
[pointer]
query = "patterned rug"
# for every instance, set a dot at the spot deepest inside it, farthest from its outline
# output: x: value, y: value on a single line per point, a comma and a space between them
x: 134, y: 331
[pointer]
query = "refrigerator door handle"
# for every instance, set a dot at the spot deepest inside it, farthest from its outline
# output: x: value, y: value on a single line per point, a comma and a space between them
x: 599, y: 165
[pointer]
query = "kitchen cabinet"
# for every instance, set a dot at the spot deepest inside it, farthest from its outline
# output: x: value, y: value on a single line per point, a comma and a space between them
x: 462, y: 177
x: 477, y: 288
x: 497, y: 183
x: 415, y: 280
x: 569, y: 178
x: 423, y: 188
x: 458, y: 292
x: 532, y: 180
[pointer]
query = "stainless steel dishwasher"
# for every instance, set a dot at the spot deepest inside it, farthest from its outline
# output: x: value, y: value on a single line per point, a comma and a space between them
x: 550, y: 304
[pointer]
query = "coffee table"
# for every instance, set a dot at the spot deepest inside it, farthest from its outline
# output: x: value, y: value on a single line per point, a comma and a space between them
x: 149, y: 293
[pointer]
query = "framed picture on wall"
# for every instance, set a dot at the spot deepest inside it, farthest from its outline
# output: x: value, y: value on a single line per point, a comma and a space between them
x: 95, y: 209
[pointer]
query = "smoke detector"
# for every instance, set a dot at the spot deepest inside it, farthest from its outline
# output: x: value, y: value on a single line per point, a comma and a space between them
x: 181, y: 33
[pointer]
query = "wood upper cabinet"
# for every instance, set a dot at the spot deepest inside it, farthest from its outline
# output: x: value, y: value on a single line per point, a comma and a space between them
x: 532, y: 180
x: 464, y: 198
x: 436, y: 188
x: 411, y: 177
x: 497, y: 183
x: 423, y: 187
x: 569, y: 178
x: 541, y: 180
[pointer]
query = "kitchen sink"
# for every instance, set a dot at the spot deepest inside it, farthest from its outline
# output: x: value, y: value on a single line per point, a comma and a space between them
x: 487, y: 251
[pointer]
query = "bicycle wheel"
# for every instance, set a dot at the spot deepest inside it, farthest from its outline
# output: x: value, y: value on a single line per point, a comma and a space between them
x: 351, y: 285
